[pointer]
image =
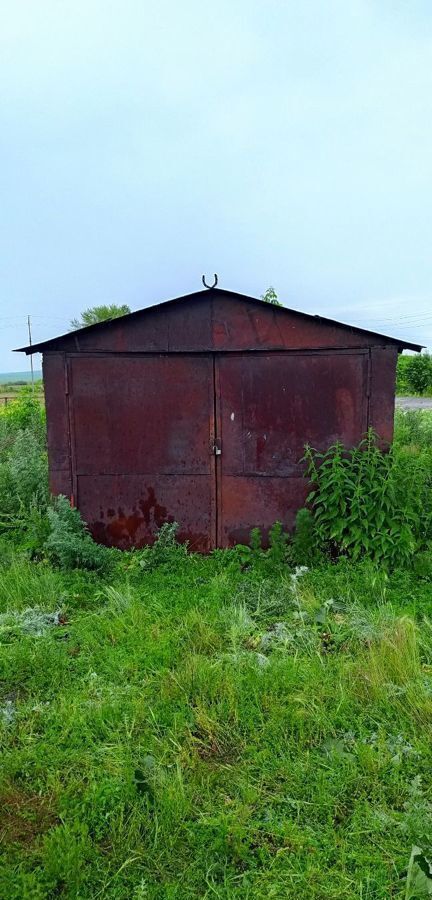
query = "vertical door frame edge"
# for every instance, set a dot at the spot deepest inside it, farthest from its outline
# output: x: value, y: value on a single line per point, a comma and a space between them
x: 217, y: 480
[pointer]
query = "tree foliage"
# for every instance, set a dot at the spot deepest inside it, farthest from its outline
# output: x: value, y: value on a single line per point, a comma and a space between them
x: 418, y: 373
x: 270, y: 296
x: 99, y: 314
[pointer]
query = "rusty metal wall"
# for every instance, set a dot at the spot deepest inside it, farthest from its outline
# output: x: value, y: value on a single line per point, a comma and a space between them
x: 382, y: 391
x: 270, y: 405
x: 132, y: 431
x: 58, y: 436
x: 142, y: 445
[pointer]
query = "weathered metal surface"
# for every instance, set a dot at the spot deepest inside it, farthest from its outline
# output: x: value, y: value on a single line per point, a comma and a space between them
x: 141, y: 415
x: 126, y: 510
x: 382, y: 390
x: 58, y: 438
x: 247, y: 502
x: 252, y: 326
x: 270, y: 405
x: 142, y: 439
x: 216, y: 320
x: 141, y: 432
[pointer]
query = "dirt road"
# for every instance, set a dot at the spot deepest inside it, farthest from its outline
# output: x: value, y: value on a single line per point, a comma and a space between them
x: 414, y: 402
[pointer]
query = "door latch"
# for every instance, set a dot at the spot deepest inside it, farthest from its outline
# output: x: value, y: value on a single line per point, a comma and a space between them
x: 217, y: 449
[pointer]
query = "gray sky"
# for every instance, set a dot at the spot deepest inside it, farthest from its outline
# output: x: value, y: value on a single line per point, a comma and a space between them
x: 278, y: 142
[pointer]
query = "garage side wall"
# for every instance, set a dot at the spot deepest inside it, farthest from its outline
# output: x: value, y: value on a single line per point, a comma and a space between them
x: 58, y: 432
x: 383, y: 362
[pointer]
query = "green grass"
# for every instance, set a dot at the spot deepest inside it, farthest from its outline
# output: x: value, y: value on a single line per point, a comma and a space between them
x: 199, y: 730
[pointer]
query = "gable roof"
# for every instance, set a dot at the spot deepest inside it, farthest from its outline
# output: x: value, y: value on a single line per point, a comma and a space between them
x: 57, y: 342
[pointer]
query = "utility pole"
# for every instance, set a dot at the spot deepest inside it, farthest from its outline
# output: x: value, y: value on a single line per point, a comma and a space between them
x: 31, y: 354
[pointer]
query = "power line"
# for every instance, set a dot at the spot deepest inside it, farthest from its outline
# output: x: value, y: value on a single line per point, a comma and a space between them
x: 402, y: 322
x: 31, y: 354
x: 37, y: 316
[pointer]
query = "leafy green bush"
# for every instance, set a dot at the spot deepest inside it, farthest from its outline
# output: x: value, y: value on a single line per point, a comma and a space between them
x: 402, y: 386
x: 252, y: 555
x: 26, y: 411
x: 304, y: 542
x: 28, y: 467
x: 418, y: 373
x: 23, y: 461
x: 166, y: 552
x: 366, y: 502
x: 278, y: 539
x: 69, y: 543
x: 413, y: 430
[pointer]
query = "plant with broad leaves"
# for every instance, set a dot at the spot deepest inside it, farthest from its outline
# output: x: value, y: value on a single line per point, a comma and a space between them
x: 419, y: 877
x: 366, y: 502
x: 270, y: 296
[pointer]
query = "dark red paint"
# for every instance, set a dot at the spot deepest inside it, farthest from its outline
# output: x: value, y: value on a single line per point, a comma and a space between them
x: 136, y: 408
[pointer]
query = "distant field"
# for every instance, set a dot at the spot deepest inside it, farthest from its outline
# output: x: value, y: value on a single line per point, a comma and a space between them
x: 13, y: 377
x: 12, y: 382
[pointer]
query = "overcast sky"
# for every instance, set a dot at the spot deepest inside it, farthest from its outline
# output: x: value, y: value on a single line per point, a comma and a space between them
x: 144, y: 142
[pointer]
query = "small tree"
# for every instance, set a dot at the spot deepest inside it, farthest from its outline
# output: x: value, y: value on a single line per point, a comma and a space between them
x: 418, y: 373
x: 270, y: 296
x: 99, y: 314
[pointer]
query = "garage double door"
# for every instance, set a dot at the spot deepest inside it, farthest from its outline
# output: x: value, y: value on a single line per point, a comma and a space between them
x: 211, y: 441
